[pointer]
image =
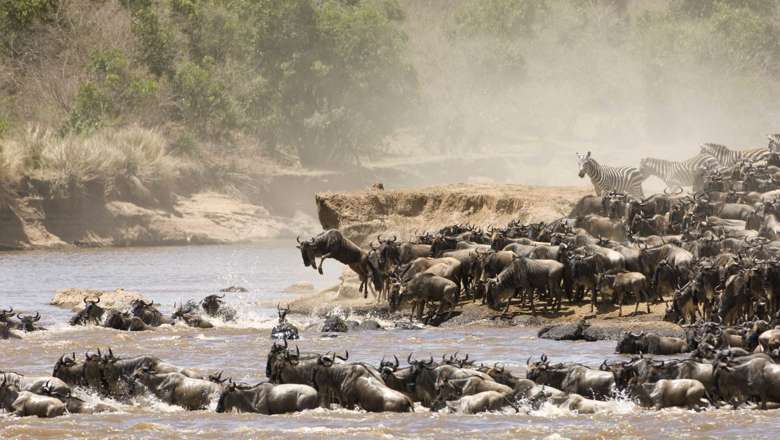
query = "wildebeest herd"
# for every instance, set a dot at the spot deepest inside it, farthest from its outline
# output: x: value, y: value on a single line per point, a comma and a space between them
x: 299, y: 381
x: 711, y: 255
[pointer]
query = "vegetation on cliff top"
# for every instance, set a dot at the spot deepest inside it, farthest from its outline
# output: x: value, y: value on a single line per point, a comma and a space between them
x: 85, y: 84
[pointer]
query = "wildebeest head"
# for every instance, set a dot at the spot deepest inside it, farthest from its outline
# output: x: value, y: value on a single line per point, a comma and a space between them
x: 537, y: 371
x: 389, y: 251
x: 583, y: 163
x: 442, y: 243
x: 386, y: 367
x: 282, y: 312
x: 92, y: 313
x: 308, y: 252
x: 6, y: 314
x: 631, y: 343
x: 29, y: 323
x: 211, y: 304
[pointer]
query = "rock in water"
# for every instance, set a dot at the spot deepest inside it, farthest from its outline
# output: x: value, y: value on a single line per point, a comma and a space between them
x: 234, y: 289
x: 74, y: 298
x: 334, y: 324
x: 565, y: 332
x: 284, y: 330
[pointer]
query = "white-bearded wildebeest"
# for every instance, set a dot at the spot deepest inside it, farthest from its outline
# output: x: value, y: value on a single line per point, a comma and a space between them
x: 665, y: 393
x: 425, y: 288
x: 357, y: 385
x: 332, y: 244
x: 178, y: 389
x: 26, y: 403
x: 529, y: 275
x: 91, y: 314
x: 267, y: 398
x: 633, y: 343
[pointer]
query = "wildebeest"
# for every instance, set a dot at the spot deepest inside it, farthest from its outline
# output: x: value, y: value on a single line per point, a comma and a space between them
x: 189, y: 313
x: 29, y: 323
x: 425, y: 288
x: 69, y: 370
x: 358, y: 385
x: 92, y: 313
x: 284, y: 329
x: 148, y: 313
x: 267, y: 398
x: 633, y: 343
x: 587, y: 381
x: 178, y: 389
x: 26, y: 403
x: 118, y: 320
x: 622, y: 283
x: 670, y: 392
x: 215, y: 307
x: 332, y: 244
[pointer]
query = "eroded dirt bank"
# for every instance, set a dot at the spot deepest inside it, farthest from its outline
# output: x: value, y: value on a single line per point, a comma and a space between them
x: 363, y: 214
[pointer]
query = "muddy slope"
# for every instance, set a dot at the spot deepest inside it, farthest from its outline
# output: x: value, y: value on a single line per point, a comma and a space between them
x: 363, y: 214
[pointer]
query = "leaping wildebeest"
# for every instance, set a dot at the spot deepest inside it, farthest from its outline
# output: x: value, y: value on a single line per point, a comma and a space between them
x: 333, y: 244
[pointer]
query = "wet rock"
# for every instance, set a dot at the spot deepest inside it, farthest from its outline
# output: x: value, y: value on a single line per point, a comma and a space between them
x: 406, y: 325
x: 74, y: 298
x: 570, y: 331
x: 334, y: 324
x: 529, y: 321
x: 234, y: 289
x: 300, y: 287
x: 370, y: 324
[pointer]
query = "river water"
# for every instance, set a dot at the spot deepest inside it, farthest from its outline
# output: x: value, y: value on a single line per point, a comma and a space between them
x: 167, y: 275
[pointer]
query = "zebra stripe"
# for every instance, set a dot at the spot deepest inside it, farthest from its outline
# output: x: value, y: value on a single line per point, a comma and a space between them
x: 678, y: 173
x: 606, y: 178
x: 728, y: 157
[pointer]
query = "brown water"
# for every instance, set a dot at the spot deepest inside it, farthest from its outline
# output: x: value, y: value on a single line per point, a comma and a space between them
x: 28, y: 280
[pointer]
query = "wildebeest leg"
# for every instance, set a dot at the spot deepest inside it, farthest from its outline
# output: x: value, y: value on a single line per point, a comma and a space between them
x: 530, y: 293
x: 322, y: 260
x: 593, y: 299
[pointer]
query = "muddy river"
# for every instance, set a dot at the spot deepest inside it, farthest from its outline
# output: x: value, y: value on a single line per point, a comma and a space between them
x: 167, y: 275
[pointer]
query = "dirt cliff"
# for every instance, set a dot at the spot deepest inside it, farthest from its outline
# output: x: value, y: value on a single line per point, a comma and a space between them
x: 363, y: 214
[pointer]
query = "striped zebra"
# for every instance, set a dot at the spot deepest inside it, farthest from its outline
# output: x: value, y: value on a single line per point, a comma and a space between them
x: 605, y: 178
x: 774, y: 143
x: 685, y: 173
x: 728, y: 157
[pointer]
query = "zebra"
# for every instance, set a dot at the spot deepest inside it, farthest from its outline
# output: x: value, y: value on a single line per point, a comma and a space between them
x: 774, y: 143
x: 627, y: 180
x: 685, y: 173
x: 728, y: 157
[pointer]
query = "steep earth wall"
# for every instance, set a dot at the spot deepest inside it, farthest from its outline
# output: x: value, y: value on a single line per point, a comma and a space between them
x: 363, y: 214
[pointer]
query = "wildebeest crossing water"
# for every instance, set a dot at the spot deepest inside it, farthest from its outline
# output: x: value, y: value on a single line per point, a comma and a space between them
x: 239, y: 350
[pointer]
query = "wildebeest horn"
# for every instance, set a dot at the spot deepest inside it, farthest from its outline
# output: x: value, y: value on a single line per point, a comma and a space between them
x: 346, y: 355
x: 298, y: 239
x: 409, y: 359
x: 396, y: 361
x: 528, y: 361
x: 544, y: 357
x: 37, y: 317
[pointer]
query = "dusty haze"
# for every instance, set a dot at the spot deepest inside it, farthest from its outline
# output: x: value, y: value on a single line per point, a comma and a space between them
x: 585, y: 76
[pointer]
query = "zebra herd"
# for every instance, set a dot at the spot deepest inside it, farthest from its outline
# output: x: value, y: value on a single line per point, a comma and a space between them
x: 713, y: 158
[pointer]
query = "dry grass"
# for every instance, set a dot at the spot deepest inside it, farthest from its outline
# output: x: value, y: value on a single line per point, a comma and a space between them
x: 69, y: 162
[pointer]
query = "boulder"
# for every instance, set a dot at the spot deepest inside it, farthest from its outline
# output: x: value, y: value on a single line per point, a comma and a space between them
x: 569, y: 331
x: 73, y: 298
